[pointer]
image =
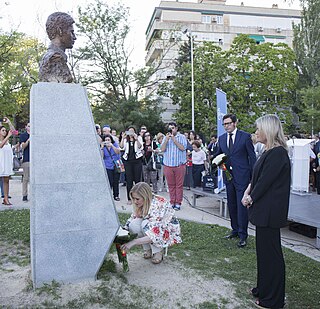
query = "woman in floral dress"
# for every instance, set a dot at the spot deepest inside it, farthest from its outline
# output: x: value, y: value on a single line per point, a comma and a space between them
x: 154, y: 221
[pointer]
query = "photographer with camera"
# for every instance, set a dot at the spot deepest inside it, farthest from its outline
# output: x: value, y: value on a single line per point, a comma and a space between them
x: 149, y: 161
x: 174, y: 159
x: 132, y: 157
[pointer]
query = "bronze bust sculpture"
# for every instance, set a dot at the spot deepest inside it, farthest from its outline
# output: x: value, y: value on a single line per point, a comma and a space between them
x: 53, y: 66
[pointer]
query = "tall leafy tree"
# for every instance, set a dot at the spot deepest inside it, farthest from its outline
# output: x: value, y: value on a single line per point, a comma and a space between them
x: 258, y: 79
x: 19, y: 63
x: 262, y: 79
x: 114, y: 86
x: 306, y: 45
x: 209, y: 67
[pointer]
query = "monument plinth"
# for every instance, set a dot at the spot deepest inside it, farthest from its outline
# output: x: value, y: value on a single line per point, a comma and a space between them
x: 73, y: 218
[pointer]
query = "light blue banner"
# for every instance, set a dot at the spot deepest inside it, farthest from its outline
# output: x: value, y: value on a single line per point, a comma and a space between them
x: 221, y: 111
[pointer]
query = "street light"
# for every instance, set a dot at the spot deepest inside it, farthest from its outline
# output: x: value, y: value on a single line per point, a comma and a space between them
x: 189, y: 35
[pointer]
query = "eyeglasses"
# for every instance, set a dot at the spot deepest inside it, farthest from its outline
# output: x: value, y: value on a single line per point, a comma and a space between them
x: 227, y: 123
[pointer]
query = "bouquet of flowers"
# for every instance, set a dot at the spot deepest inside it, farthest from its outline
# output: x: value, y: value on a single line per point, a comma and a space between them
x: 219, y: 162
x: 122, y: 237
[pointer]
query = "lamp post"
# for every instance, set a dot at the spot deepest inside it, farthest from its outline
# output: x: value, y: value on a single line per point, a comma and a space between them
x: 189, y: 35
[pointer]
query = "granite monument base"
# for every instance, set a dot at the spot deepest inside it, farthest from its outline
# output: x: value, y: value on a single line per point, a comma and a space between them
x: 73, y: 217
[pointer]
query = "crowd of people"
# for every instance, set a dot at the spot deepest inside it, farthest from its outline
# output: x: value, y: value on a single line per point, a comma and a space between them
x: 257, y: 191
x: 166, y: 161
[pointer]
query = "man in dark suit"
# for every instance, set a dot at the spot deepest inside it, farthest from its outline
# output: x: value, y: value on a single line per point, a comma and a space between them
x: 238, y: 147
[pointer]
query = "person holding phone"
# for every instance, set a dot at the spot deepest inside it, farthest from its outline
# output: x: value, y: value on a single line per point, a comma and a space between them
x: 150, y: 149
x: 132, y: 145
x: 6, y: 158
x: 111, y: 153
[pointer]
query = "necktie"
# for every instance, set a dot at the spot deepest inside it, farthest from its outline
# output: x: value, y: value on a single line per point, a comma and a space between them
x: 230, y: 141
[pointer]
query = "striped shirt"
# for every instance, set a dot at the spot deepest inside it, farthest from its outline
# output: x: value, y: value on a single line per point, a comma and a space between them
x: 173, y: 156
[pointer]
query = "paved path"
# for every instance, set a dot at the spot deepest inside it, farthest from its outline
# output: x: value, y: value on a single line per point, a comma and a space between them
x: 207, y: 212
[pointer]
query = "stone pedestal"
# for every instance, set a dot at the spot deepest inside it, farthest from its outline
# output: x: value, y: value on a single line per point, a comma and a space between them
x: 73, y: 217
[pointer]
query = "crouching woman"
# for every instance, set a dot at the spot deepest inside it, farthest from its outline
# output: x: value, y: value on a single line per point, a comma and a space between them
x: 154, y: 221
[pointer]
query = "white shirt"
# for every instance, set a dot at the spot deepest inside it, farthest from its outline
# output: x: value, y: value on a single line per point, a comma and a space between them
x: 233, y: 136
x: 198, y: 157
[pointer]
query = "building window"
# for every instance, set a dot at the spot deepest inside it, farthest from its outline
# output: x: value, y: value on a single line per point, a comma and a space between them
x: 219, y: 19
x: 206, y: 19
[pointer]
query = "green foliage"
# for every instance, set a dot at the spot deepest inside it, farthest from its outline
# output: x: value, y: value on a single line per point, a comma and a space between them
x: 19, y: 58
x: 306, y: 45
x: 310, y: 115
x: 262, y: 79
x: 258, y: 79
x: 113, y: 86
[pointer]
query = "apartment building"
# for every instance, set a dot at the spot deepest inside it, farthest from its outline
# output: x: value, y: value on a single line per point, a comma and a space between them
x: 208, y: 20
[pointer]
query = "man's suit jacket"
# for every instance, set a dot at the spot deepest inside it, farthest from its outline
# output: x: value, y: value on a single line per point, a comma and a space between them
x: 316, y: 148
x: 241, y: 159
x: 270, y: 189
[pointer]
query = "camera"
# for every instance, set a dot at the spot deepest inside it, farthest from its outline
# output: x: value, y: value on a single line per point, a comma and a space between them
x: 170, y: 130
x: 129, y: 133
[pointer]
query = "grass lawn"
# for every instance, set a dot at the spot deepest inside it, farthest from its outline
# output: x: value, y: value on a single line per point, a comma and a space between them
x: 203, y: 250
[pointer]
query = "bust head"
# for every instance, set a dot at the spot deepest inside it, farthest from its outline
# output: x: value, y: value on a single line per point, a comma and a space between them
x: 59, y: 27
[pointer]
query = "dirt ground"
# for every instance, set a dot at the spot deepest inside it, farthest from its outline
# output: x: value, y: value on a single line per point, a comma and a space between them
x: 170, y: 284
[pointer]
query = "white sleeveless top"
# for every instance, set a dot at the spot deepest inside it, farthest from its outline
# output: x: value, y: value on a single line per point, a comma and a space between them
x: 6, y: 161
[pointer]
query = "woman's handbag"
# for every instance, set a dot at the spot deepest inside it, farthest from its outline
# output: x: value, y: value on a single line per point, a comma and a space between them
x: 16, y: 163
x: 151, y: 164
x: 119, y: 166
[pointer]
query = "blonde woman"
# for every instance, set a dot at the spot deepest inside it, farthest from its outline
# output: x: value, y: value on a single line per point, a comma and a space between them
x: 267, y: 198
x: 6, y: 159
x: 154, y: 221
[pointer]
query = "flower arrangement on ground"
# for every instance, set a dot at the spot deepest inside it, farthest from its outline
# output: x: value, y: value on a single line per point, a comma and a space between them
x: 121, y: 238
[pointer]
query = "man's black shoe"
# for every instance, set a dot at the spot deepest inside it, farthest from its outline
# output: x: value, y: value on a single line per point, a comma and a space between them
x: 242, y: 243
x: 25, y: 198
x: 231, y: 236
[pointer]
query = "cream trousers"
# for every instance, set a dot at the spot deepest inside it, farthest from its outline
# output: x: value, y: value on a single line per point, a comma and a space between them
x: 136, y: 227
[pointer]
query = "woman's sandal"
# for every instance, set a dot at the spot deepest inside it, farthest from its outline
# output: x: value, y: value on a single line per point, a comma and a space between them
x: 259, y: 305
x: 6, y: 203
x: 157, y: 258
x: 147, y: 254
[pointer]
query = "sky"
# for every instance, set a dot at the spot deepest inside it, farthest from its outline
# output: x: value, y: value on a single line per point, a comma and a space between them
x: 29, y: 16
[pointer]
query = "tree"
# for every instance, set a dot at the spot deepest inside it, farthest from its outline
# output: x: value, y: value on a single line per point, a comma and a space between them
x: 111, y: 82
x: 209, y: 65
x: 262, y: 79
x: 306, y: 44
x: 19, y: 65
x: 310, y: 98
x: 258, y: 79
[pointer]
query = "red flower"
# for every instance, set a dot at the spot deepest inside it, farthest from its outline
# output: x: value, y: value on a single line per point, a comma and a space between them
x: 166, y: 235
x: 156, y: 230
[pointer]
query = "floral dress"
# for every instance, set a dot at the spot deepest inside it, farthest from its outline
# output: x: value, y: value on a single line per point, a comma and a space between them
x: 162, y: 227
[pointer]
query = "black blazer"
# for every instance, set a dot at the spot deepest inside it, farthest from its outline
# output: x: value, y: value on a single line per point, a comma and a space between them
x: 270, y: 189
